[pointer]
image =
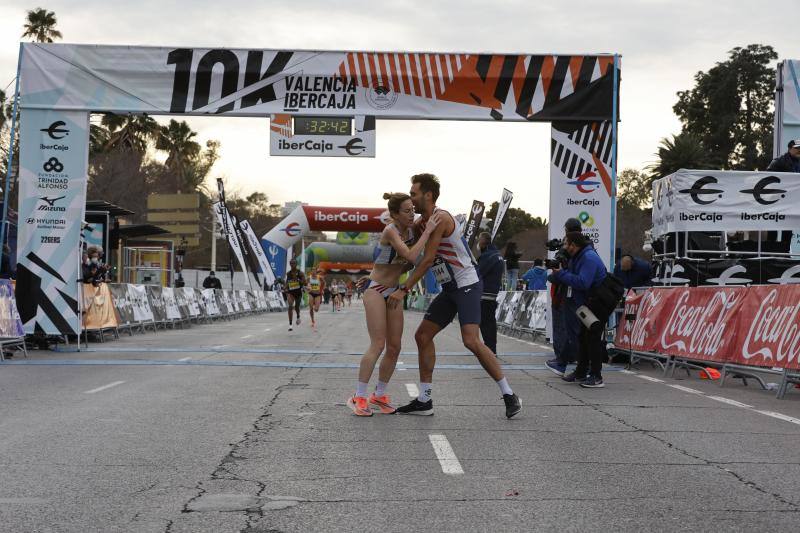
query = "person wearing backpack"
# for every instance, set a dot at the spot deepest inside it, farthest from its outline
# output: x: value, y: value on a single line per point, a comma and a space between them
x: 584, y: 273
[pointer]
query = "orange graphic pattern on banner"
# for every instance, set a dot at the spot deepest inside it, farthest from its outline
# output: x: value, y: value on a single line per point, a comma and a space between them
x: 472, y: 79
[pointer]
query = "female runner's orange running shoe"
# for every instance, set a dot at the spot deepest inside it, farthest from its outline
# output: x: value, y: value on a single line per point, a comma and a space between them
x: 383, y: 403
x: 358, y: 404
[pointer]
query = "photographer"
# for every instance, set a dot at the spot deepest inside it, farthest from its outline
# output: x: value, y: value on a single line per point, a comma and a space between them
x: 566, y: 326
x: 585, y: 272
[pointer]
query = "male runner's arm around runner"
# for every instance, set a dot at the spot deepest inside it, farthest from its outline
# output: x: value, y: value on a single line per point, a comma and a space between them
x: 411, y: 254
x: 427, y: 261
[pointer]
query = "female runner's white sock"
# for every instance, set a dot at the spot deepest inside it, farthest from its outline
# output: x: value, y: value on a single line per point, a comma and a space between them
x: 380, y: 388
x: 504, y: 386
x: 361, y: 389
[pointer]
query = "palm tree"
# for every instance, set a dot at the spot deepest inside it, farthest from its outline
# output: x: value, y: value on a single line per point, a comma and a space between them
x: 176, y: 140
x: 131, y: 132
x: 682, y: 151
x: 2, y: 109
x: 41, y: 26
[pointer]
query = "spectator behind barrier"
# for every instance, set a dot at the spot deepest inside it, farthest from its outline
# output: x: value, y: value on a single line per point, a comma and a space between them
x: 212, y: 281
x: 512, y: 256
x: 536, y: 277
x: 788, y: 162
x: 490, y: 268
x: 94, y: 271
x: 633, y: 272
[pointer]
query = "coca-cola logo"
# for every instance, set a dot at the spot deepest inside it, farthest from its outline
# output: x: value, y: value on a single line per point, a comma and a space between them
x: 649, y: 305
x: 774, y: 333
x: 699, y: 329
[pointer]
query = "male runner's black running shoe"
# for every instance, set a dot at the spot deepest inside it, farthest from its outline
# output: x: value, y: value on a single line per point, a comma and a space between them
x: 513, y: 405
x: 417, y: 407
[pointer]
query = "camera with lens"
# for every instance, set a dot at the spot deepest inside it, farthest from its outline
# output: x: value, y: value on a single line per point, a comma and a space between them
x: 560, y: 260
x: 554, y: 245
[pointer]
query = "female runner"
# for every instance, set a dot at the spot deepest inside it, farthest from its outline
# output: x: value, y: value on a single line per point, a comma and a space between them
x: 316, y: 285
x: 385, y: 326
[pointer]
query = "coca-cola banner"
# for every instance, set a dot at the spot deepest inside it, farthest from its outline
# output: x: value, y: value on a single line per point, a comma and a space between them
x: 649, y: 318
x: 769, y: 327
x: 700, y: 322
x: 625, y: 327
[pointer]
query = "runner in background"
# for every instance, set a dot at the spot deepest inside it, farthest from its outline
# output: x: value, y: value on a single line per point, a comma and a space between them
x: 349, y: 293
x: 385, y: 326
x: 316, y: 285
x: 295, y: 282
x: 341, y: 289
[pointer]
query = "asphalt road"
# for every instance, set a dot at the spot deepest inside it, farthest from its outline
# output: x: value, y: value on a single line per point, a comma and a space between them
x: 241, y: 426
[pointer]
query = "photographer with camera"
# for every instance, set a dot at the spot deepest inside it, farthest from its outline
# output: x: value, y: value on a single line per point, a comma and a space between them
x: 566, y: 327
x: 583, y: 275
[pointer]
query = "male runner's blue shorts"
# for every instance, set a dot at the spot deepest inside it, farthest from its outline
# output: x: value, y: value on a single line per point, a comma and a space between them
x: 464, y: 302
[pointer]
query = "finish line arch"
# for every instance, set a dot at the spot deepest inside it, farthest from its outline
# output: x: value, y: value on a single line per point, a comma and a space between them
x: 59, y: 85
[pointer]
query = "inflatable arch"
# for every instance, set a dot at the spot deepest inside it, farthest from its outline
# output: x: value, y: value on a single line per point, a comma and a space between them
x: 307, y: 218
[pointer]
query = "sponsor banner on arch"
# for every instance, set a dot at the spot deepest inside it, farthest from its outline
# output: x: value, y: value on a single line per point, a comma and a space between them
x: 237, y: 82
x: 581, y: 182
x: 706, y: 200
x: 368, y: 219
x: 769, y: 327
x: 52, y: 206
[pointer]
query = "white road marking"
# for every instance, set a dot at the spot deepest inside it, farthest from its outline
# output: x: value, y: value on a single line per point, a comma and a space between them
x: 624, y: 371
x: 686, y: 389
x: 412, y: 390
x: 246, y: 336
x: 526, y: 342
x: 220, y: 346
x: 444, y: 452
x: 268, y: 329
x: 184, y: 359
x: 648, y: 378
x: 401, y: 369
x: 104, y: 387
x: 731, y: 402
x: 779, y: 416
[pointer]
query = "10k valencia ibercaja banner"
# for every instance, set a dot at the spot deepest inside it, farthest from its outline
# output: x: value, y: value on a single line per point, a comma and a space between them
x: 515, y: 87
x: 52, y: 204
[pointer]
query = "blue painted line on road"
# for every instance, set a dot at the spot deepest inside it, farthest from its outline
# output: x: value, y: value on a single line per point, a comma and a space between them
x: 273, y: 351
x: 267, y: 364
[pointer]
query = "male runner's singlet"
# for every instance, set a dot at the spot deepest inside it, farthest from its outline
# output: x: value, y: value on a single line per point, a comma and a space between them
x: 387, y: 255
x: 314, y: 285
x: 294, y: 281
x: 454, y: 266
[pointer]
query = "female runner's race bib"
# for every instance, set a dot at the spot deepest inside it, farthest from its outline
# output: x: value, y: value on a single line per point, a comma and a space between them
x: 440, y: 271
x: 294, y: 284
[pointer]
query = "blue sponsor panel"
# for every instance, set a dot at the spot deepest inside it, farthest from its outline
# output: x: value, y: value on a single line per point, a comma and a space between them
x: 276, y: 255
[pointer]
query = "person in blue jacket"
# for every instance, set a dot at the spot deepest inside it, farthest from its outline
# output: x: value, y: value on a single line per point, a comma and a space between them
x: 633, y: 272
x: 584, y: 272
x: 490, y: 267
x: 536, y: 277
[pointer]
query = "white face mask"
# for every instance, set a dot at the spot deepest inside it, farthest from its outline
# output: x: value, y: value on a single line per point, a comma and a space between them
x: 94, y: 260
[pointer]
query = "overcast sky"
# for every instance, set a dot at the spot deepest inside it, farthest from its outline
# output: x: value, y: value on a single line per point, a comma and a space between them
x: 663, y: 44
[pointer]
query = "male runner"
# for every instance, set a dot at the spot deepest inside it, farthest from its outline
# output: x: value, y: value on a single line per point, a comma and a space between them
x: 316, y: 285
x: 448, y: 255
x: 295, y: 281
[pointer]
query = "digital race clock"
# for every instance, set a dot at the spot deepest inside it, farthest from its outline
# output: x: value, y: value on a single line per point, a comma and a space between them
x: 323, y: 125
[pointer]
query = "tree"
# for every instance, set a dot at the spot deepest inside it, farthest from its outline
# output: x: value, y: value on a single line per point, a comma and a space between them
x: 634, y: 188
x: 515, y: 221
x: 177, y: 140
x: 730, y: 109
x: 130, y: 132
x: 685, y: 150
x: 40, y: 24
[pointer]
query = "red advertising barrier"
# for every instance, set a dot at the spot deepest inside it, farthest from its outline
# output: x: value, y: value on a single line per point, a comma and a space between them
x: 756, y: 326
x: 769, y: 327
x: 701, y: 323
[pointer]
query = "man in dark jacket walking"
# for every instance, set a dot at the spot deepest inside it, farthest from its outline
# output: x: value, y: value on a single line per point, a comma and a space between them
x: 788, y: 162
x: 585, y: 272
x: 490, y: 268
x: 633, y: 272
